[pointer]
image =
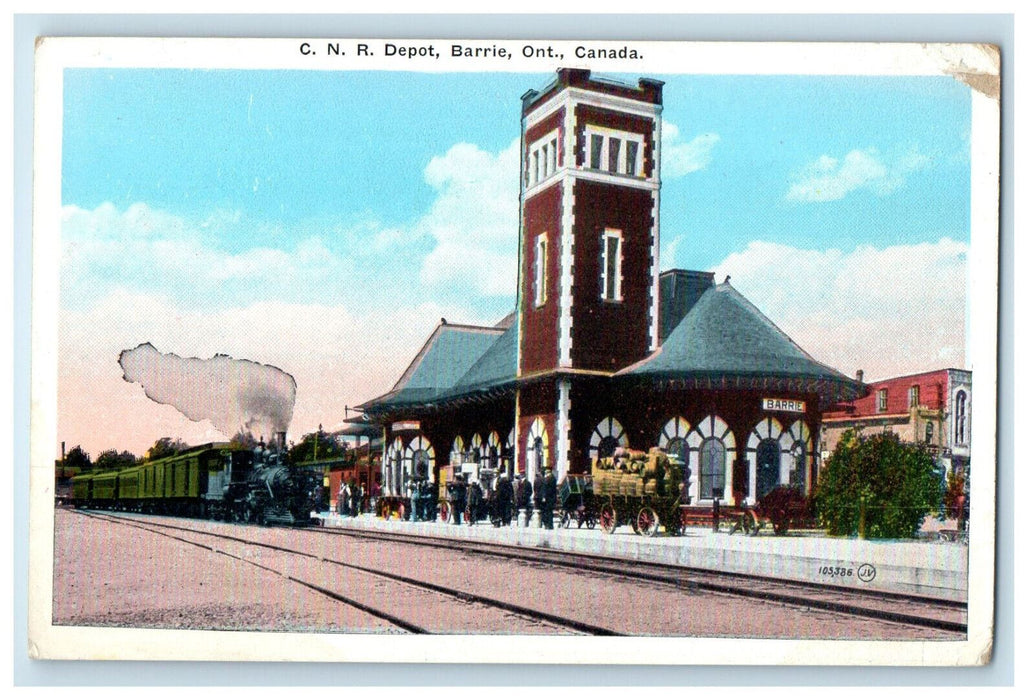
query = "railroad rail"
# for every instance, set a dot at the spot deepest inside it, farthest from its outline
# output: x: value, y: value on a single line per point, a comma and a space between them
x: 191, y: 536
x: 900, y: 608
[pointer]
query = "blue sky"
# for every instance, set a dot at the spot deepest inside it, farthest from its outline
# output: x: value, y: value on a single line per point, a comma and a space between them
x: 359, y: 207
x: 283, y: 148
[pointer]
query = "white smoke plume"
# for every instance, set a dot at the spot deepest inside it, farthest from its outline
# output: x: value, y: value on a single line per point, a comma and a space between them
x: 235, y: 395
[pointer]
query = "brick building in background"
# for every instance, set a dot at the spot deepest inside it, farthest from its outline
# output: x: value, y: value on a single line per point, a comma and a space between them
x: 931, y: 408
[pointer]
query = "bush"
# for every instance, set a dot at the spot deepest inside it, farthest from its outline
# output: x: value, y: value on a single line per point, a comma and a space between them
x: 880, y: 485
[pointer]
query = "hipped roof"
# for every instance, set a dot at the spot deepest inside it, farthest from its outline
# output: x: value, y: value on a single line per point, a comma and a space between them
x: 724, y: 340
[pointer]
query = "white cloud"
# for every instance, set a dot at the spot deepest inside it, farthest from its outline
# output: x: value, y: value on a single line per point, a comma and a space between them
x: 828, y: 178
x: 680, y: 157
x: 473, y: 221
x: 887, y: 311
x: 155, y: 252
x: 668, y: 251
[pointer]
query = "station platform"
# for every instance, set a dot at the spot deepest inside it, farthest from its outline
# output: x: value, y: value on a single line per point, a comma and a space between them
x: 931, y: 567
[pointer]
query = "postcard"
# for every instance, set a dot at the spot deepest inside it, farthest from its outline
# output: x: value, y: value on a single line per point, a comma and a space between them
x: 562, y: 351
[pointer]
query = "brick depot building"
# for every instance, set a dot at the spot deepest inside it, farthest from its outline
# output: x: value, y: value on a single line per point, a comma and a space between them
x: 604, y: 349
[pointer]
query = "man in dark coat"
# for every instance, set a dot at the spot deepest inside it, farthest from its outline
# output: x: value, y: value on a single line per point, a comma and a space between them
x: 474, y: 501
x: 457, y: 493
x: 524, y: 496
x: 504, y: 494
x: 549, y: 498
x: 540, y: 486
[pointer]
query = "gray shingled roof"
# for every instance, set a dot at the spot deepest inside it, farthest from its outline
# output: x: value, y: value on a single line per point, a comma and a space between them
x: 446, y: 357
x: 497, y: 366
x: 723, y: 338
x: 725, y: 335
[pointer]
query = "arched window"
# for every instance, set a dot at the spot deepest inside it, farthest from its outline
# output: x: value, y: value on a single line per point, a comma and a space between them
x: 456, y: 455
x: 713, y: 468
x: 395, y: 468
x: 674, y: 439
x: 492, y: 451
x: 712, y: 449
x: 767, y: 452
x: 537, y: 447
x: 475, y: 453
x: 803, y: 461
x: 507, y: 453
x: 608, y: 436
x: 420, y: 457
x: 960, y: 418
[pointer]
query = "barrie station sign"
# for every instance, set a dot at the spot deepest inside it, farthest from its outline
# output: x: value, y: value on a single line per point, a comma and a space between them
x: 789, y: 405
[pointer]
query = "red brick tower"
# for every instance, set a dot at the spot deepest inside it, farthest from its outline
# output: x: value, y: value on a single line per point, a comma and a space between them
x: 588, y: 278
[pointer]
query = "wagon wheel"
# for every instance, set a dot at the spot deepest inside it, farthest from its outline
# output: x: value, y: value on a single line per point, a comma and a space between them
x: 781, y: 522
x: 749, y: 522
x: 590, y: 520
x: 608, y: 519
x: 443, y: 512
x: 468, y: 515
x: 647, y: 522
x: 565, y: 518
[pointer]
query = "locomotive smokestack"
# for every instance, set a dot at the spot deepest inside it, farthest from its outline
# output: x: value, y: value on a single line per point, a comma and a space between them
x: 282, y: 439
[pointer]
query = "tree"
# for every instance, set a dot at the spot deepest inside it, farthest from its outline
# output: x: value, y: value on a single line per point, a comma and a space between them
x: 77, y: 460
x: 113, y: 460
x: 165, y: 447
x: 878, y: 486
x: 243, y: 440
x: 315, y: 446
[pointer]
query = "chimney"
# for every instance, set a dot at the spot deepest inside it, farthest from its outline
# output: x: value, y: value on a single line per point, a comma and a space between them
x: 282, y: 439
x: 859, y: 375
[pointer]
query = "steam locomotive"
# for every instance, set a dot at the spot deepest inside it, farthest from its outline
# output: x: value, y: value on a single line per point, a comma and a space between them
x: 213, y: 481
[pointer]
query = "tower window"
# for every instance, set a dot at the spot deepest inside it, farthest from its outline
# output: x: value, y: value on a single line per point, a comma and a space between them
x: 596, y: 151
x: 619, y: 152
x: 540, y: 270
x: 631, y: 150
x: 614, y: 152
x: 611, y: 272
x: 542, y: 159
x: 882, y: 400
x: 914, y: 396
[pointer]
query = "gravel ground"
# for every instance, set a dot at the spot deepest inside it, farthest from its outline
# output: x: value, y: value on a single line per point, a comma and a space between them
x: 113, y: 575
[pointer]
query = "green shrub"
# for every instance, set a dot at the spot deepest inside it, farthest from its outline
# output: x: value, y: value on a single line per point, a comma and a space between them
x: 878, y: 484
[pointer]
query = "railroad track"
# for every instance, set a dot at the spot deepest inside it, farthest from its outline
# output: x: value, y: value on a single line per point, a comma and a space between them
x: 218, y: 542
x: 899, y: 608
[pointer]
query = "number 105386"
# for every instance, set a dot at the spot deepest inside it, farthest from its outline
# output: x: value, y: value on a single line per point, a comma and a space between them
x: 839, y: 571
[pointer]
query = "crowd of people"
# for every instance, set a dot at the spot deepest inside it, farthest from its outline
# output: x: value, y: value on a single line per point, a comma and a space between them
x: 497, y: 499
x: 351, y: 499
x: 503, y: 501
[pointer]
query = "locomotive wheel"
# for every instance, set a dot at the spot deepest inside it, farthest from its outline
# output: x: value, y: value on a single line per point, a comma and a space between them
x: 608, y: 519
x: 647, y: 522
